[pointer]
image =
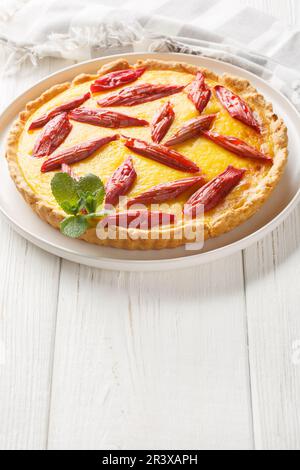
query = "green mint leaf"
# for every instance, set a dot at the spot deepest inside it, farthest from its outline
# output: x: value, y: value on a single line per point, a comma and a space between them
x: 64, y: 190
x: 88, y: 185
x: 90, y: 203
x: 74, y: 196
x: 74, y: 226
x: 69, y: 208
x: 99, y: 197
x: 91, y: 190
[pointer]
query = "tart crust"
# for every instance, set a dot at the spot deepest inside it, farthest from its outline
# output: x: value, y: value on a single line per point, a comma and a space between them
x: 165, y: 237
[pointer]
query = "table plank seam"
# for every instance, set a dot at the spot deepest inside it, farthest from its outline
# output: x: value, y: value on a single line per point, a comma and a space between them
x: 53, y: 356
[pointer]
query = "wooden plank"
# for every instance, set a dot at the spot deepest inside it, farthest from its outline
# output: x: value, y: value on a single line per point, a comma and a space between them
x: 29, y: 280
x: 28, y: 299
x: 153, y: 360
x: 272, y: 279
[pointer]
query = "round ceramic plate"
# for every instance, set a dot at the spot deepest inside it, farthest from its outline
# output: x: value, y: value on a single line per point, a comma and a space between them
x: 277, y: 208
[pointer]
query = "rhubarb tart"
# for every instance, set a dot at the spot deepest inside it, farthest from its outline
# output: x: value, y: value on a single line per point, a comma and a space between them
x: 134, y: 155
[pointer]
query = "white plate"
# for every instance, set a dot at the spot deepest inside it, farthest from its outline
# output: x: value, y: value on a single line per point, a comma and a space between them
x: 277, y: 208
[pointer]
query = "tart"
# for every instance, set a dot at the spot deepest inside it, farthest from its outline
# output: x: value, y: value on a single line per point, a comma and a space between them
x: 163, y: 133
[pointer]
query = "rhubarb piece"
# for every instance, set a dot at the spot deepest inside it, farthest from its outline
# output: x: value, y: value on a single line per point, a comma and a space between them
x: 162, y: 154
x: 131, y: 96
x: 76, y: 153
x: 120, y: 182
x: 114, y: 79
x: 211, y: 194
x: 162, y: 122
x: 191, y: 129
x: 42, y: 120
x: 67, y: 169
x: 52, y: 136
x: 139, y: 219
x: 199, y: 92
x: 236, y: 146
x: 105, y: 118
x: 237, y: 108
x: 166, y: 191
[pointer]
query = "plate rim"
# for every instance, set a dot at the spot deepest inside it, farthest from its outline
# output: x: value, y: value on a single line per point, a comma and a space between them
x: 180, y: 262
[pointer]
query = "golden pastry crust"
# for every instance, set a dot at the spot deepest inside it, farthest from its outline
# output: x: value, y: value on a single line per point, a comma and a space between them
x: 220, y: 222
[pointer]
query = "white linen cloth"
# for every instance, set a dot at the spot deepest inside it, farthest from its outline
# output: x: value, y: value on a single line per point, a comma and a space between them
x: 83, y: 29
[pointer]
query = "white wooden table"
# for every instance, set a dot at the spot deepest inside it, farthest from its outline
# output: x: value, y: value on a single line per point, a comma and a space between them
x: 203, y: 358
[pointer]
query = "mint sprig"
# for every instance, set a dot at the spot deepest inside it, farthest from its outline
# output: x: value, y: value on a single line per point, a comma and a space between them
x: 64, y: 190
x: 81, y: 199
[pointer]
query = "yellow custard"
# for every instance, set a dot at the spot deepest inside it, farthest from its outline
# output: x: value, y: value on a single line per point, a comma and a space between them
x: 211, y: 158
